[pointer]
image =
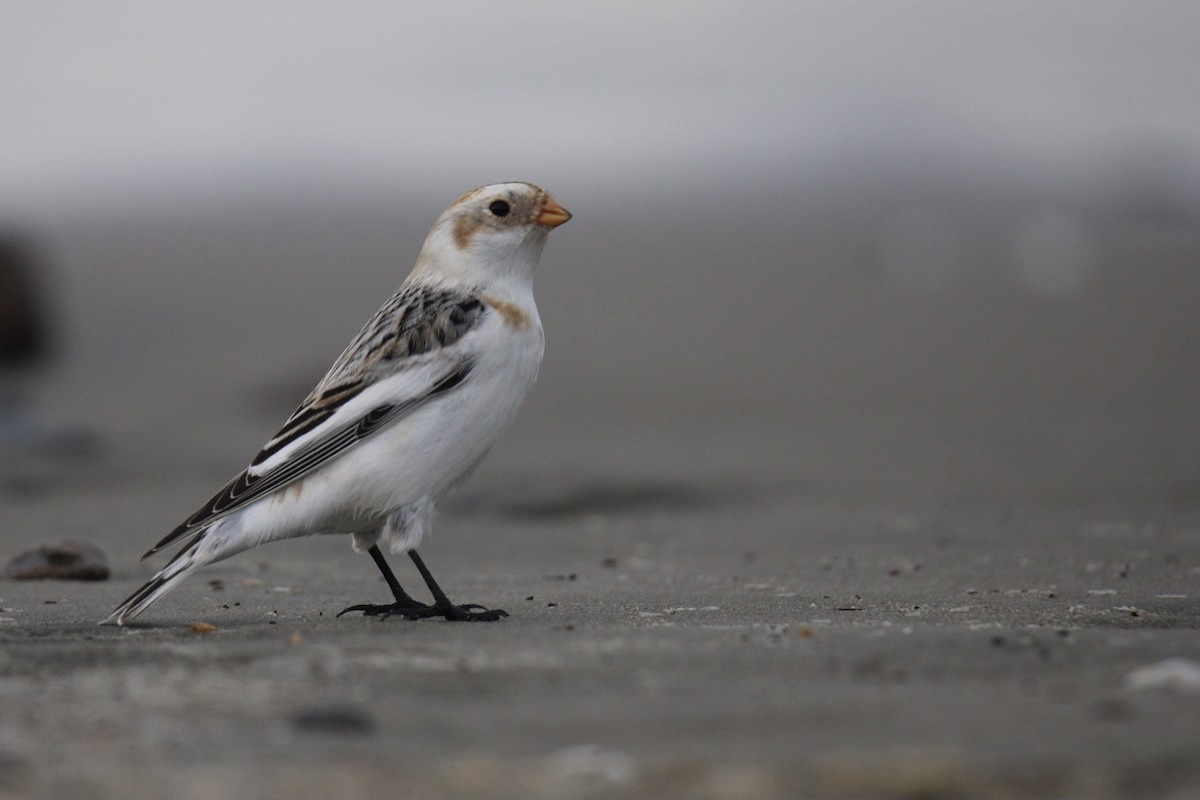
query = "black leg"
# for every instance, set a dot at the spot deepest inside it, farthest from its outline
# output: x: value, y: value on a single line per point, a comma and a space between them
x: 404, y: 604
x: 442, y: 607
x: 393, y: 584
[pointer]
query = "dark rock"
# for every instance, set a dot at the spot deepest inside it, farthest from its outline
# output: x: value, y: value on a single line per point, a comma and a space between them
x: 335, y: 718
x: 66, y: 559
x: 23, y: 327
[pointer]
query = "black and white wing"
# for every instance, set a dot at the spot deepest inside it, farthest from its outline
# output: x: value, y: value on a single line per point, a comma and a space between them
x: 415, y: 349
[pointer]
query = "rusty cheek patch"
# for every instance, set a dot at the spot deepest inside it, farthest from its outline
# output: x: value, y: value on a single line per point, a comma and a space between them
x: 514, y: 317
x: 464, y: 230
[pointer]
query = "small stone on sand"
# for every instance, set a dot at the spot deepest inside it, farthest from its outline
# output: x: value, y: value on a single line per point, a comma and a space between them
x: 66, y: 559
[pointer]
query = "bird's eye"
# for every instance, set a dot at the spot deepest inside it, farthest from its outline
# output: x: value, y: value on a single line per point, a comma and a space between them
x: 500, y: 208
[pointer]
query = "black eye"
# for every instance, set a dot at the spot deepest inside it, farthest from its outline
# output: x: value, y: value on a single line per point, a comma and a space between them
x: 500, y: 208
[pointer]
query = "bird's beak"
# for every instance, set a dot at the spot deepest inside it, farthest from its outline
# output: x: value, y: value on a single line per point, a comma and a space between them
x: 552, y: 214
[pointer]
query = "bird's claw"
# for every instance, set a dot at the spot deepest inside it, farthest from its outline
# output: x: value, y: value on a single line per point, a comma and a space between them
x: 370, y: 610
x: 468, y: 612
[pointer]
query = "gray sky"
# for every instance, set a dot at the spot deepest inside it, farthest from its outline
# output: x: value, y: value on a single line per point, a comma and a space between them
x: 127, y: 106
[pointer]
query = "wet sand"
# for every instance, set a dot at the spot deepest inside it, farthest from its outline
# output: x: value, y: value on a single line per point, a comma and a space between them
x: 912, y: 546
x: 663, y: 642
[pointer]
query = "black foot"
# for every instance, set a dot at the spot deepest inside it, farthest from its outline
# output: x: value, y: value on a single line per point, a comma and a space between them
x: 413, y: 610
x: 469, y: 612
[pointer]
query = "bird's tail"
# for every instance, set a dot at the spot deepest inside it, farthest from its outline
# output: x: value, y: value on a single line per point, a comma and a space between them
x: 167, y: 579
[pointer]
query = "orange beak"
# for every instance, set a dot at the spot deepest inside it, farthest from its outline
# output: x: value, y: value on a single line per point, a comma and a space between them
x: 552, y: 214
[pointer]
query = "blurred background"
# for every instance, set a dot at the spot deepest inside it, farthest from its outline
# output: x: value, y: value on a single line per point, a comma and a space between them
x: 925, y: 249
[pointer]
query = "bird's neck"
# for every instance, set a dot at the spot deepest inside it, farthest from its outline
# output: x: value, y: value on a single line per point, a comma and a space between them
x: 503, y: 269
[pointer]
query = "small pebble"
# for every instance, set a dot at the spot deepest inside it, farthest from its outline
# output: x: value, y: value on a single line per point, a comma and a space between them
x: 66, y: 559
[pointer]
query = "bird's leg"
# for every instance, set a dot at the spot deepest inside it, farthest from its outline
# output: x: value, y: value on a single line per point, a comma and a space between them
x: 442, y: 607
x: 404, y: 605
x: 393, y: 584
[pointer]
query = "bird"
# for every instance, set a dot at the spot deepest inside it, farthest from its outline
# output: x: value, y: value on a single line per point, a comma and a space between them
x: 404, y: 415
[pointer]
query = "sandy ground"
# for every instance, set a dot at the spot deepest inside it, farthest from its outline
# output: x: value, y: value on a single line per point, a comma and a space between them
x: 666, y: 639
x: 866, y: 544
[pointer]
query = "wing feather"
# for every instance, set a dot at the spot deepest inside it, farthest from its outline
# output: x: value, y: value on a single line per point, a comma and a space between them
x: 417, y: 321
x: 248, y: 486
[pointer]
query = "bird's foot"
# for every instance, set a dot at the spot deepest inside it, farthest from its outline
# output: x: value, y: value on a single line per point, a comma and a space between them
x: 469, y: 612
x: 412, y: 610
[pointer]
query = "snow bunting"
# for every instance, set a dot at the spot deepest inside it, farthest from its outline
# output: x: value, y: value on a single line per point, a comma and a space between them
x: 405, y: 413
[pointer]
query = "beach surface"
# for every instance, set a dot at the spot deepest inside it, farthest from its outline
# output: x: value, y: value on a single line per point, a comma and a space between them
x: 787, y: 531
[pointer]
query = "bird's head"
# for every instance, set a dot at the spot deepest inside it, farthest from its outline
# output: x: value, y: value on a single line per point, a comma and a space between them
x: 491, y: 232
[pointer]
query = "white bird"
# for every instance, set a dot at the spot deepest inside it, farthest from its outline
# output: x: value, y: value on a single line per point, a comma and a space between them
x: 404, y: 415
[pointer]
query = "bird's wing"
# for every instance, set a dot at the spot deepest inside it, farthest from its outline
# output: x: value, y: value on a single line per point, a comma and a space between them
x: 419, y: 343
